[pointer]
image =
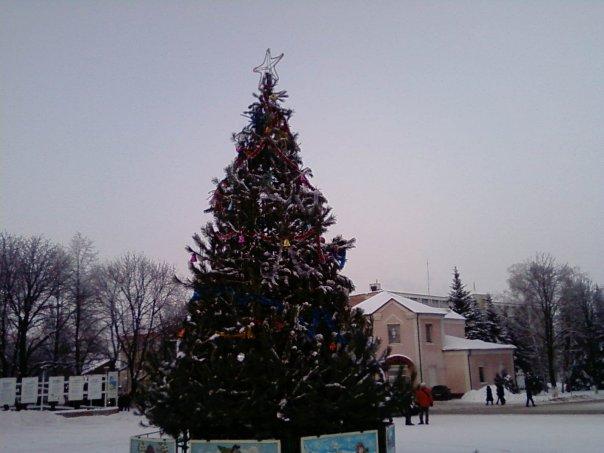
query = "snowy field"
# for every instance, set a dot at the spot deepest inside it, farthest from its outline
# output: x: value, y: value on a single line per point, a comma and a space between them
x: 479, y: 396
x: 31, y: 431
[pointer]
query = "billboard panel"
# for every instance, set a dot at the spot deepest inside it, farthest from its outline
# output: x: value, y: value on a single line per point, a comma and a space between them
x: 112, y: 384
x: 29, y: 390
x: 95, y: 386
x: 235, y: 446
x: 8, y: 390
x: 150, y: 445
x: 76, y: 388
x: 55, y: 389
x: 359, y: 442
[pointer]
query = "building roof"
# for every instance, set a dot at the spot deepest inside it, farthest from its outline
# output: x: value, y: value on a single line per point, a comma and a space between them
x: 452, y: 343
x: 453, y: 315
x: 378, y: 300
x: 95, y: 365
x: 358, y: 298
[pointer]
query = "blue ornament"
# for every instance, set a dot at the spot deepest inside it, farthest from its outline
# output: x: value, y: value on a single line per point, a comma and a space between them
x: 341, y: 258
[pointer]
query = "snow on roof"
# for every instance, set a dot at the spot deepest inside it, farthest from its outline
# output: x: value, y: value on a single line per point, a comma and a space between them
x: 452, y: 343
x: 452, y: 315
x: 93, y: 365
x: 374, y: 303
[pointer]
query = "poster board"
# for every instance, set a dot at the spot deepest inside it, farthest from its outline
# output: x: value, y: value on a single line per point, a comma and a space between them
x: 111, y: 386
x: 95, y: 386
x: 56, y: 389
x: 76, y: 388
x: 29, y: 390
x: 150, y: 445
x: 390, y: 439
x: 358, y: 442
x: 235, y: 446
x: 8, y: 391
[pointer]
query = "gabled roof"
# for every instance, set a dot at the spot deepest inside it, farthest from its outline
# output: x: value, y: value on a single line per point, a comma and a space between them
x: 452, y: 343
x: 378, y: 300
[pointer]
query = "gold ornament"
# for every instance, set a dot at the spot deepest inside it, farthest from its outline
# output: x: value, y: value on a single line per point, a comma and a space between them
x: 286, y: 243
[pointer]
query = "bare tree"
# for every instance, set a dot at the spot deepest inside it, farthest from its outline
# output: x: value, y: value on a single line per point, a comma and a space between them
x: 582, y: 328
x: 9, y: 251
x: 138, y: 295
x: 538, y: 285
x: 86, y: 325
x: 37, y: 270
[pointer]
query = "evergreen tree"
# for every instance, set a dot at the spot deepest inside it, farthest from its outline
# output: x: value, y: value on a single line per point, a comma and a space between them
x: 271, y: 347
x: 495, y: 328
x: 461, y: 302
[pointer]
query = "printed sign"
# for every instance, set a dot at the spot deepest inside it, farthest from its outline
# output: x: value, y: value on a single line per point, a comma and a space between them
x: 76, y: 388
x: 8, y: 391
x: 390, y: 439
x: 112, y: 384
x: 235, y: 446
x: 29, y: 390
x: 55, y: 389
x: 360, y: 442
x: 95, y: 386
x: 150, y: 445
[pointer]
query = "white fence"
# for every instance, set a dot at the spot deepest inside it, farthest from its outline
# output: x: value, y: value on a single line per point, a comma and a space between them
x: 59, y: 389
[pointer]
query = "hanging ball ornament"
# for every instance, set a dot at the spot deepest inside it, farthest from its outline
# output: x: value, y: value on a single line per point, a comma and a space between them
x: 241, y: 239
x: 286, y: 243
x: 332, y: 347
x: 241, y: 357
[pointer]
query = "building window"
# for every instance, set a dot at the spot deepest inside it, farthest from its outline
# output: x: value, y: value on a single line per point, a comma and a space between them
x: 428, y: 333
x: 394, y: 333
x: 481, y: 374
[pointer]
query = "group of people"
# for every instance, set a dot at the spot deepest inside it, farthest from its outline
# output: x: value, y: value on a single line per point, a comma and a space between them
x: 423, y: 401
x: 501, y: 395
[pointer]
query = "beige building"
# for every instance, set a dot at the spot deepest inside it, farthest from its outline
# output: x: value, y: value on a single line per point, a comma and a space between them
x: 430, y: 341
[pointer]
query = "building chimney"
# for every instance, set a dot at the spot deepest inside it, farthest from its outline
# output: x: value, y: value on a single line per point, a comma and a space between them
x: 375, y: 286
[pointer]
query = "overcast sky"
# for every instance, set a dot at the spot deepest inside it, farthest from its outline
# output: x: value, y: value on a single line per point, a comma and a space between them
x: 459, y: 133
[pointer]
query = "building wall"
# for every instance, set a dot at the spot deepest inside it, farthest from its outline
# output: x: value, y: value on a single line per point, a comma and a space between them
x: 393, y: 313
x: 492, y: 362
x: 432, y: 367
x: 458, y: 376
x: 455, y: 327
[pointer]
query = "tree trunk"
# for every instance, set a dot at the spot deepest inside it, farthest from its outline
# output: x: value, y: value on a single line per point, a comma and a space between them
x: 77, y: 351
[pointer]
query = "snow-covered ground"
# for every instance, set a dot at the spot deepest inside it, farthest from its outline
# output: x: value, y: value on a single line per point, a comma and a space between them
x: 31, y: 431
x: 480, y: 395
x: 503, y: 433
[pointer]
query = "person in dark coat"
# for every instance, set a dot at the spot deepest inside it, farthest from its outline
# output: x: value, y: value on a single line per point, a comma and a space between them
x: 529, y: 396
x: 500, y: 393
x: 408, y: 414
x: 489, y: 395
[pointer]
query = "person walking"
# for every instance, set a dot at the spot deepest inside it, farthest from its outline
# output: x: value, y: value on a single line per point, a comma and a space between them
x: 423, y: 397
x: 529, y: 396
x: 500, y: 393
x: 489, y: 395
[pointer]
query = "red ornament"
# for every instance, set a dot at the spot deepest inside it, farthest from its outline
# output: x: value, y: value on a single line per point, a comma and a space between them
x: 333, y: 347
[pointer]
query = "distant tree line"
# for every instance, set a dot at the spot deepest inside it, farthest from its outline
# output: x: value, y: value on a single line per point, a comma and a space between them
x: 553, y: 314
x: 62, y: 309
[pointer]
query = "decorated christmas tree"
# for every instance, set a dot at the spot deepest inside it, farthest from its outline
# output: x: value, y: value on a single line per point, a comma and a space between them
x: 270, y: 348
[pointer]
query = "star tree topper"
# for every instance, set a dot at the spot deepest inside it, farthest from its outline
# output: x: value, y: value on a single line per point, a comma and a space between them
x: 268, y: 66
